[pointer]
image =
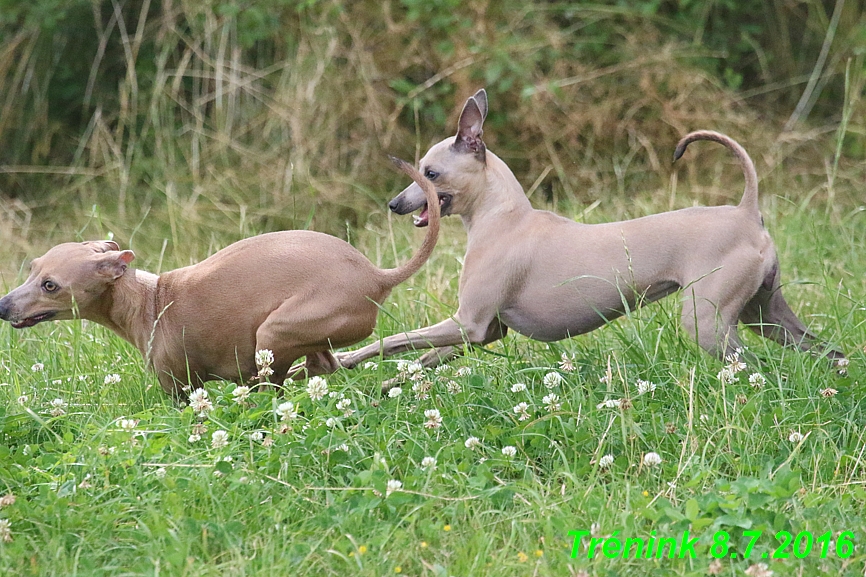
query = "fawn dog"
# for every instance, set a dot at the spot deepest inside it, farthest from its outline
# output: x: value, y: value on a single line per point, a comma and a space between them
x: 297, y: 293
x: 550, y: 278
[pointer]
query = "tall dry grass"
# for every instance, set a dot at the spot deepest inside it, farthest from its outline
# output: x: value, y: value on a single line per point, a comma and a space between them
x: 198, y: 124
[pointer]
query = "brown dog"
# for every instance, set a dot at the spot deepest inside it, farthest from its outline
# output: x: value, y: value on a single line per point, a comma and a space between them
x: 297, y: 293
x: 550, y: 278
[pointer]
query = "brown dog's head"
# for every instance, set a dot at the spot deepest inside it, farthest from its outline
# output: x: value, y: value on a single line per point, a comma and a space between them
x: 69, y: 276
x: 453, y: 165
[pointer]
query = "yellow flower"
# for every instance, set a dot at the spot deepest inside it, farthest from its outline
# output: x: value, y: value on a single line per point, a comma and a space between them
x: 351, y: 553
x: 362, y: 549
x: 539, y: 552
x: 446, y: 528
x: 646, y: 493
x: 522, y: 557
x: 423, y: 544
x: 398, y: 569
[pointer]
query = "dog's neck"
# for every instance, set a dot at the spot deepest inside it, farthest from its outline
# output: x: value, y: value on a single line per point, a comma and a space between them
x: 127, y: 308
x: 500, y: 198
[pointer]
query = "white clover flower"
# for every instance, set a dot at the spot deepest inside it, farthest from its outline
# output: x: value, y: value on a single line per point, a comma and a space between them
x: 22, y: 400
x: 219, y: 439
x: 829, y: 392
x: 652, y: 459
x: 439, y: 369
x: 7, y: 500
x: 160, y: 473
x: 566, y: 363
x: 428, y: 463
x: 336, y: 395
x: 796, y: 437
x: 370, y: 365
x: 727, y: 376
x: 645, y: 387
x: 518, y: 387
x: 415, y: 371
x: 343, y: 405
x: 5, y: 531
x: 734, y: 362
x: 604, y: 379
x: 257, y: 436
x: 464, y: 371
x: 453, y: 387
x: 757, y: 380
x: 395, y: 392
x: 551, y: 402
x: 263, y: 373
x: 605, y: 462
x: 200, y: 403
x: 343, y: 447
x: 317, y: 388
x: 112, y: 379
x: 472, y: 443
x: 522, y: 411
x: 264, y: 357
x: 128, y: 425
x: 509, y: 451
x: 332, y: 422
x: 842, y: 363
x: 286, y: 411
x: 609, y: 404
x: 553, y: 379
x: 37, y: 367
x: 393, y: 485
x: 758, y: 570
x: 434, y: 419
x: 194, y: 438
x: 241, y: 393
x: 58, y: 407
x: 422, y: 389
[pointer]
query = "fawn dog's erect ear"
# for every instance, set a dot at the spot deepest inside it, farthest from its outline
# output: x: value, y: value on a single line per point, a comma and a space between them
x: 470, y: 126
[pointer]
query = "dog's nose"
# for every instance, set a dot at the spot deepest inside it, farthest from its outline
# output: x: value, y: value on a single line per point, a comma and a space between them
x: 394, y: 204
x: 4, y: 310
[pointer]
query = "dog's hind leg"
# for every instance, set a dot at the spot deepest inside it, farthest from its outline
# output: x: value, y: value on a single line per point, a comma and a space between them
x: 712, y: 306
x: 768, y: 314
x: 320, y: 363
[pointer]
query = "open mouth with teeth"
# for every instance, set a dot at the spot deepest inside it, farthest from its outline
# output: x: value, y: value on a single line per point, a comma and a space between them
x: 30, y: 321
x: 422, y: 218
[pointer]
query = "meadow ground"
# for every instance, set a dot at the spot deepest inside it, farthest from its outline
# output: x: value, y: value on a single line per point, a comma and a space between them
x: 480, y: 468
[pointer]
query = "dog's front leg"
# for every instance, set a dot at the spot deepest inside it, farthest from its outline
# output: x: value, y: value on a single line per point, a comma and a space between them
x: 437, y: 356
x: 445, y: 334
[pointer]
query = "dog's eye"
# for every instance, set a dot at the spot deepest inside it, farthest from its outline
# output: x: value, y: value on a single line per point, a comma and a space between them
x: 49, y: 286
x: 431, y: 174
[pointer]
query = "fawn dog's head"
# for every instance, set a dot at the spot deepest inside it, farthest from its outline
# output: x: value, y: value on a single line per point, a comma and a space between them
x: 455, y: 166
x: 70, y: 276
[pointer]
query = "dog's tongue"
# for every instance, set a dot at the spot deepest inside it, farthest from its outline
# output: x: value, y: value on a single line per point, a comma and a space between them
x: 421, y: 219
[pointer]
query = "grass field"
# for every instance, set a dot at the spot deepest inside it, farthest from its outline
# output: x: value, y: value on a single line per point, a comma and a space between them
x: 109, y: 477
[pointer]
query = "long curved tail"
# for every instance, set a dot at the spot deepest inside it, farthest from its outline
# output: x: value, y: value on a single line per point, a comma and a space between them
x: 395, y: 276
x: 750, y: 194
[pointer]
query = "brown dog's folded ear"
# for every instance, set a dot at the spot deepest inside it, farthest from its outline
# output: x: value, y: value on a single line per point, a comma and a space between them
x: 102, y: 245
x: 469, y: 127
x: 114, y: 264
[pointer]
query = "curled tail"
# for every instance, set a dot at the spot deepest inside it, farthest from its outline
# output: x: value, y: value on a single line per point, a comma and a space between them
x: 395, y: 276
x: 750, y: 194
